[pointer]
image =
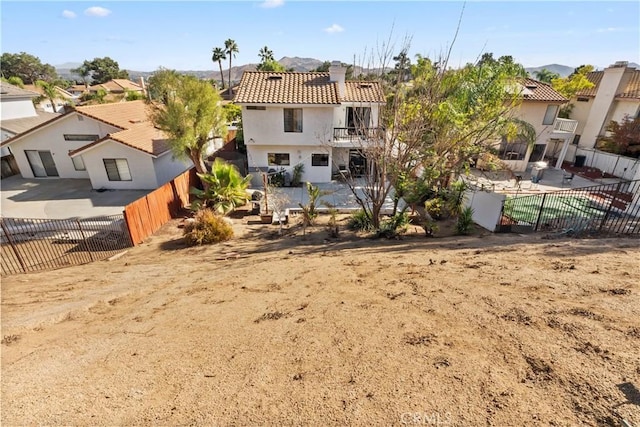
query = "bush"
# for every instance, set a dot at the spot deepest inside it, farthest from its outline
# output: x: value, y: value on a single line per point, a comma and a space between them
x: 435, y: 207
x: 207, y: 228
x: 360, y: 221
x: 465, y: 221
x: 394, y: 225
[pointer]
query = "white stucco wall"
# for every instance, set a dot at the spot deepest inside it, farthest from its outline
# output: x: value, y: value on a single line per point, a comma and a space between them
x: 51, y: 138
x: 266, y: 127
x: 166, y: 167
x: 622, y: 108
x: 143, y: 175
x: 533, y: 113
x: 580, y: 113
x: 257, y: 157
x: 16, y: 109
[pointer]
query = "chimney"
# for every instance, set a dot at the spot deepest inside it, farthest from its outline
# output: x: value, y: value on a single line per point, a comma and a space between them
x: 337, y: 74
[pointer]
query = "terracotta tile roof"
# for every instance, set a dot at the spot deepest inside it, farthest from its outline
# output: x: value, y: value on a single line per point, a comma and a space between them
x: 264, y: 87
x: 10, y: 91
x: 62, y: 94
x: 533, y: 90
x: 142, y: 136
x: 363, y: 92
x: 23, y: 124
x: 117, y: 86
x: 119, y: 114
x: 632, y: 91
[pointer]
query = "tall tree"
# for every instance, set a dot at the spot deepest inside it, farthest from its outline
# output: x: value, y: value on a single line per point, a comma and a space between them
x: 104, y: 69
x: 50, y: 93
x: 161, y: 84
x: 27, y: 67
x: 546, y: 76
x: 231, y: 48
x: 84, y: 72
x: 218, y: 55
x: 271, y: 65
x: 266, y: 54
x: 192, y: 117
x: 571, y: 85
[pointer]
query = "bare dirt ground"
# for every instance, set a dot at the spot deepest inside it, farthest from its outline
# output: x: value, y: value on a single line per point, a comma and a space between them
x: 489, y: 329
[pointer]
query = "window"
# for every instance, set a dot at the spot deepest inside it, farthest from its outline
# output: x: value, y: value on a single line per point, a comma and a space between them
x: 583, y: 99
x: 293, y: 119
x: 319, y: 160
x: 256, y: 107
x: 80, y: 137
x: 358, y: 117
x: 576, y: 139
x: 278, y: 159
x: 550, y: 115
x: 117, y: 169
x: 78, y: 163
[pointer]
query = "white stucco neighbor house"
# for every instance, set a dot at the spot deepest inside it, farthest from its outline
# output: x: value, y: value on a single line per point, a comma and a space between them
x: 539, y: 107
x: 316, y: 119
x: 114, y: 145
x: 62, y: 99
x: 616, y: 94
x: 17, y: 115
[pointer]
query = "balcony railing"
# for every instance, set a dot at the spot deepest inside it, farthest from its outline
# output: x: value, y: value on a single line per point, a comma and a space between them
x: 565, y: 126
x: 355, y: 134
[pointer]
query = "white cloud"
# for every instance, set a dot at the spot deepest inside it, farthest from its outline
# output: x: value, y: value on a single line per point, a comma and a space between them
x: 335, y: 28
x: 270, y: 4
x: 97, y: 11
x: 68, y: 14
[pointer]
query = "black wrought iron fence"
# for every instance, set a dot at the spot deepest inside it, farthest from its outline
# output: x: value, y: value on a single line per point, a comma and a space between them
x: 30, y: 244
x: 607, y: 209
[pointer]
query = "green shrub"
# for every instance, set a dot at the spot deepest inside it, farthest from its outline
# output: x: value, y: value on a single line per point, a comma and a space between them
x: 465, y: 221
x: 435, y: 207
x: 207, y: 228
x: 394, y: 226
x: 360, y: 221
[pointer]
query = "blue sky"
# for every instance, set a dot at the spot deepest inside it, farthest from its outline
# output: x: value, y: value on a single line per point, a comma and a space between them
x: 145, y: 35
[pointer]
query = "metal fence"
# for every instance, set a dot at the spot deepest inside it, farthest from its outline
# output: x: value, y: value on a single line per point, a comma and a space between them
x: 606, y: 209
x: 30, y: 244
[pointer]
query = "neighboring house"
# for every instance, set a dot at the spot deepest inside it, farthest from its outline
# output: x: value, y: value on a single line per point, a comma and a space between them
x: 539, y: 107
x: 62, y: 98
x: 113, y: 145
x: 77, y: 90
x: 615, y: 95
x: 117, y: 87
x: 17, y: 115
x: 315, y: 119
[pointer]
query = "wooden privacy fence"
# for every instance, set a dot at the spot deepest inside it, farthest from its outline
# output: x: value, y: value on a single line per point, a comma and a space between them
x: 31, y: 244
x: 147, y: 214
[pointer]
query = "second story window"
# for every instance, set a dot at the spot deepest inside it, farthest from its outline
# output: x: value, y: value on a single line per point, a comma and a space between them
x: 293, y: 119
x: 358, y: 117
x: 550, y: 115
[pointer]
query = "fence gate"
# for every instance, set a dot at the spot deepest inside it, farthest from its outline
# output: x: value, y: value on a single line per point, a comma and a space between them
x: 606, y: 209
x: 29, y: 244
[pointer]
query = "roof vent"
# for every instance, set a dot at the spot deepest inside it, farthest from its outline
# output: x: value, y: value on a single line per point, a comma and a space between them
x: 531, y: 86
x: 274, y: 78
x: 365, y: 85
x: 136, y: 121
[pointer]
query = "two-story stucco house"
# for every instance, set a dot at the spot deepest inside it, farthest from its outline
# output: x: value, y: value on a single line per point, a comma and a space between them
x: 113, y: 145
x: 539, y: 107
x: 316, y: 119
x: 616, y: 94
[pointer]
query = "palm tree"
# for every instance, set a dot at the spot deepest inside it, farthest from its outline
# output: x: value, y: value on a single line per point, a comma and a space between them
x: 231, y: 48
x: 218, y: 55
x: 50, y: 92
x: 265, y: 55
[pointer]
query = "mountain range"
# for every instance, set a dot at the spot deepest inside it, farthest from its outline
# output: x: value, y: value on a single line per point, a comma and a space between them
x: 295, y: 63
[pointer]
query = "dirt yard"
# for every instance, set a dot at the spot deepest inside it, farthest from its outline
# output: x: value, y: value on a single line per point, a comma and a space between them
x: 489, y: 329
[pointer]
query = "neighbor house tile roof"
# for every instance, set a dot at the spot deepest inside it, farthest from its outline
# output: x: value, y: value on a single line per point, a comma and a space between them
x: 10, y: 91
x: 265, y: 87
x: 533, y: 90
x: 62, y: 94
x: 23, y: 124
x: 117, y: 86
x: 131, y: 117
x: 631, y: 91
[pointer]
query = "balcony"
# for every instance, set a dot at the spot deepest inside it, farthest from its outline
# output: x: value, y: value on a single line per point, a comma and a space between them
x: 352, y: 137
x: 565, y: 126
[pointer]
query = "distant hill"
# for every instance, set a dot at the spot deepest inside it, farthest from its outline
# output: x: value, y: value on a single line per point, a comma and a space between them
x: 563, y: 70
